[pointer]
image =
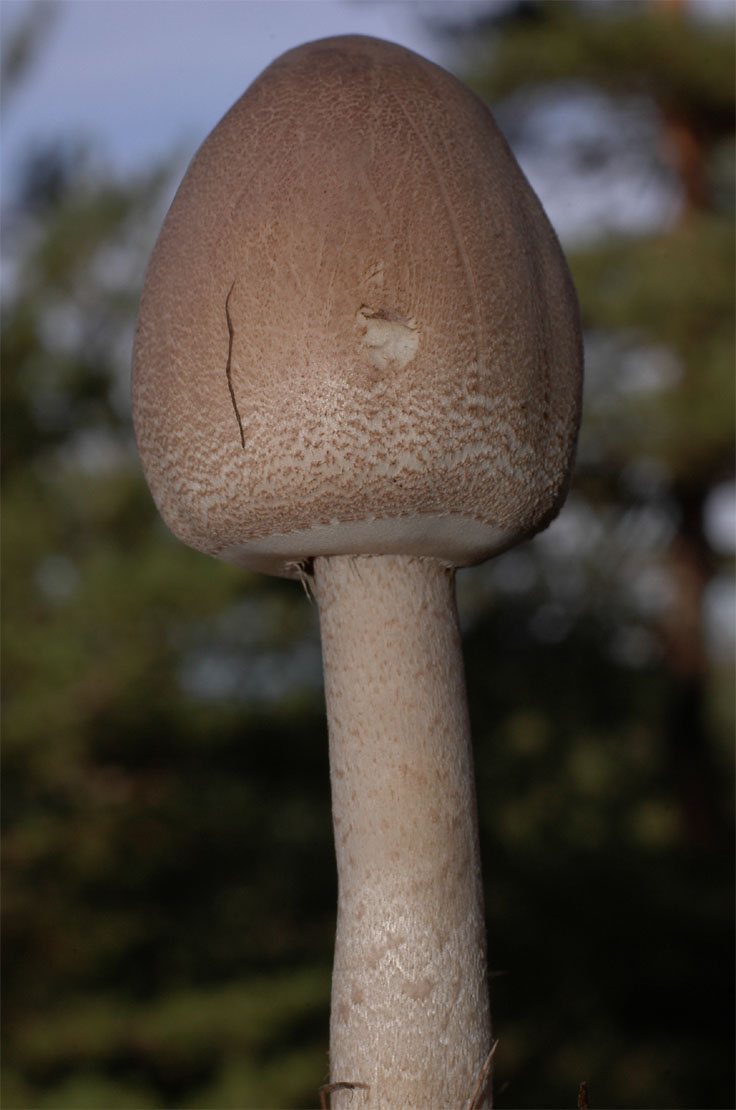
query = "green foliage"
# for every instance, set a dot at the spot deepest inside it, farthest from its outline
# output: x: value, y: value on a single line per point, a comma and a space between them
x: 218, y: 1041
x: 20, y: 45
x: 621, y: 48
x: 169, y: 875
x: 152, y: 835
x: 673, y: 295
x: 610, y: 940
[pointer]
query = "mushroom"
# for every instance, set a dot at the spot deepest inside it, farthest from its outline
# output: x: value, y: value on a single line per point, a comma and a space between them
x: 358, y: 362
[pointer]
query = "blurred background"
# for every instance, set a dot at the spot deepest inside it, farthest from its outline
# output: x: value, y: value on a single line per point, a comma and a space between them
x: 169, y: 886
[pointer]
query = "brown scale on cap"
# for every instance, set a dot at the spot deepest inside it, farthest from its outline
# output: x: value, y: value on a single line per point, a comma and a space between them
x: 358, y: 333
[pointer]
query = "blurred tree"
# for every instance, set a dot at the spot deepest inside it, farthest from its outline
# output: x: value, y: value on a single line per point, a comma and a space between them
x: 666, y: 299
x: 634, y: 562
x: 169, y: 890
x: 169, y: 876
x: 20, y: 44
x: 156, y: 807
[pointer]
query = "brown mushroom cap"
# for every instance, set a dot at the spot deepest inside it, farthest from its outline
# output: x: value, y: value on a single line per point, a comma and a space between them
x: 358, y: 333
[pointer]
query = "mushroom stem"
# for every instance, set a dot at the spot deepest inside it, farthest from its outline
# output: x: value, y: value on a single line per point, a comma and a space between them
x: 410, y: 1015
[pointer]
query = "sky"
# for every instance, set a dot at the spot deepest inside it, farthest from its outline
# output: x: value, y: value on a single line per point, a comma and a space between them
x: 146, y: 75
x: 142, y: 78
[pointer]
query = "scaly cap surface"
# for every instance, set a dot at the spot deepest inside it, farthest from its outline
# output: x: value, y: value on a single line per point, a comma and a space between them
x: 358, y: 333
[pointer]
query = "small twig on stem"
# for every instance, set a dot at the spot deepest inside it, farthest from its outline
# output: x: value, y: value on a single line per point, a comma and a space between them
x: 326, y: 1090
x: 482, y: 1078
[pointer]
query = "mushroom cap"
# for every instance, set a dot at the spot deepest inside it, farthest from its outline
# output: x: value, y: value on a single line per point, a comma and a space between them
x: 358, y: 332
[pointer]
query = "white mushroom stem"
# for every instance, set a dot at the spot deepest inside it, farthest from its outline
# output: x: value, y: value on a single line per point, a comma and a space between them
x: 410, y: 1015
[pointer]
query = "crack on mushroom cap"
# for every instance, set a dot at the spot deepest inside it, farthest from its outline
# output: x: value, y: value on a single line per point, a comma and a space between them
x: 228, y: 367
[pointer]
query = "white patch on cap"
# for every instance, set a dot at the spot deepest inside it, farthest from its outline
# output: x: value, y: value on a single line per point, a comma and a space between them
x: 390, y: 339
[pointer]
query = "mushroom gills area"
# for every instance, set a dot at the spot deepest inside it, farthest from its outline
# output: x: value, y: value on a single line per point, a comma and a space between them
x: 410, y: 1015
x: 450, y: 538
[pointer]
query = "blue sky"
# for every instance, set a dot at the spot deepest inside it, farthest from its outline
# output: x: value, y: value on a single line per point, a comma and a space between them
x: 140, y: 78
x: 144, y: 75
